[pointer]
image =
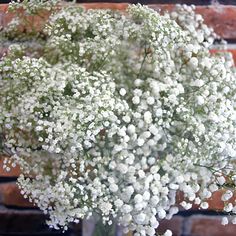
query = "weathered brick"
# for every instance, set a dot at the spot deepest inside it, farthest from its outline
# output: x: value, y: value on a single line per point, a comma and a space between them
x: 232, y: 51
x: 200, y: 225
x: 36, y: 21
x: 14, y: 172
x: 175, y: 225
x: 4, y: 16
x: 221, y: 17
x: 106, y: 5
x: 197, y: 2
x: 3, y: 51
x: 10, y: 196
x: 215, y: 202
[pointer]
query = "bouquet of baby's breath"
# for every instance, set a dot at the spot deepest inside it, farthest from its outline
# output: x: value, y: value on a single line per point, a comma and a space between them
x: 114, y: 113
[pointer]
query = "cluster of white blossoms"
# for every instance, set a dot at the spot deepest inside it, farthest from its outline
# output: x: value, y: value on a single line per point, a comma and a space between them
x: 32, y: 6
x: 119, y: 113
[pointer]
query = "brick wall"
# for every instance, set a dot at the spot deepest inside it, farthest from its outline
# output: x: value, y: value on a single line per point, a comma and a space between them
x: 20, y: 217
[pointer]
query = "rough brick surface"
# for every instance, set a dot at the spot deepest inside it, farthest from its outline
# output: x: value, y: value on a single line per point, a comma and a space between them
x: 3, y: 50
x: 215, y: 202
x: 14, y: 172
x: 10, y: 196
x: 232, y: 51
x: 196, y: 2
x: 221, y: 17
x: 175, y: 225
x: 199, y: 225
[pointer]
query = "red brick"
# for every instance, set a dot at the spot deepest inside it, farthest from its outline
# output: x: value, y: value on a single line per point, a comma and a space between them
x: 222, y: 18
x: 3, y: 50
x: 36, y: 22
x: 14, y: 172
x: 215, y: 202
x: 232, y: 51
x: 175, y: 225
x: 10, y: 196
x: 200, y: 225
x: 4, y: 16
x: 106, y: 5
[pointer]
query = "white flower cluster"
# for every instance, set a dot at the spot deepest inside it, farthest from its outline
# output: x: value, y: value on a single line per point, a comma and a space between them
x: 120, y: 113
x: 32, y: 6
x: 27, y: 20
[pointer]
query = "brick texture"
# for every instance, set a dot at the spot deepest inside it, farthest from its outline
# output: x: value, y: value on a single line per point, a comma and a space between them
x: 14, y: 172
x: 215, y: 202
x: 232, y: 51
x: 175, y: 225
x: 199, y: 225
x: 10, y: 196
x: 221, y: 17
x: 20, y: 217
x: 3, y: 50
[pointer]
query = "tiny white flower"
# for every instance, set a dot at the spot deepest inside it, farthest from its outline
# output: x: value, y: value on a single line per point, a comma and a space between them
x: 224, y: 220
x: 122, y: 92
x: 148, y: 117
x: 135, y: 100
x: 167, y: 233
